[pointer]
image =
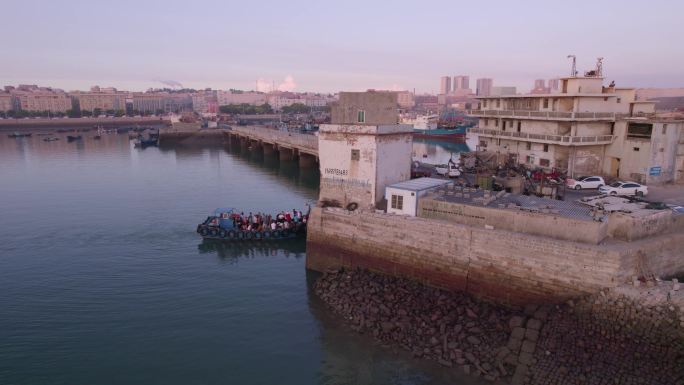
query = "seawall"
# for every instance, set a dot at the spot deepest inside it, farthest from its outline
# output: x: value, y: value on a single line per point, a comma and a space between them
x: 501, y: 266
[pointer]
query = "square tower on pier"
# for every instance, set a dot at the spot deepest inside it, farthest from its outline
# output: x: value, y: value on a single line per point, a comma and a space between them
x: 363, y: 150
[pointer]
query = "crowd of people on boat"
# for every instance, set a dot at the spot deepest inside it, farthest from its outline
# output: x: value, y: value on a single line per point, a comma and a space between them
x: 261, y: 222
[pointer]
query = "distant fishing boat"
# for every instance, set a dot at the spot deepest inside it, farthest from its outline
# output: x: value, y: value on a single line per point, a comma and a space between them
x: 19, y: 135
x: 72, y: 138
x: 51, y: 139
x: 97, y: 137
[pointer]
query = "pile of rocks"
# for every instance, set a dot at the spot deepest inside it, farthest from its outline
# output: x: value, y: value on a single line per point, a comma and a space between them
x: 450, y: 328
x: 607, y: 338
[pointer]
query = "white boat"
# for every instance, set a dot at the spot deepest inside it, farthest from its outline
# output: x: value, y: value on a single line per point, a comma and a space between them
x: 422, y: 122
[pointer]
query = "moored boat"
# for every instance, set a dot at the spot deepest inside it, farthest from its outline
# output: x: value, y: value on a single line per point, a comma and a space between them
x: 50, y: 139
x: 72, y: 138
x: 230, y: 225
x: 19, y: 135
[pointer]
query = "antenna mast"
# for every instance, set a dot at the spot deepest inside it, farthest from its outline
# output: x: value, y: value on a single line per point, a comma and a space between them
x: 599, y: 67
x: 573, y: 72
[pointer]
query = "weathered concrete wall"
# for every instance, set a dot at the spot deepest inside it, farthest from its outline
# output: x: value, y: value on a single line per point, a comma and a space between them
x: 379, y: 108
x: 630, y: 228
x: 502, y: 266
x: 549, y: 225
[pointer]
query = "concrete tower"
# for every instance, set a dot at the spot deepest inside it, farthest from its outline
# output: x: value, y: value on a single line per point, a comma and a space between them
x: 363, y: 150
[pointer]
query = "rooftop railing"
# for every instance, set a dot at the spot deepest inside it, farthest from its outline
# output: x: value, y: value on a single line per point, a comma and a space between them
x: 548, y: 114
x: 545, y: 138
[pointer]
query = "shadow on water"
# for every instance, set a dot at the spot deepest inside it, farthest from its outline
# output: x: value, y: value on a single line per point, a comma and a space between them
x: 232, y: 251
x: 349, y: 357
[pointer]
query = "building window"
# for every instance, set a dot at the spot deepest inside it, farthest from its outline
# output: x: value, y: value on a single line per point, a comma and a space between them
x: 519, y: 126
x: 398, y: 202
x: 486, y: 122
x: 664, y: 128
x: 498, y: 103
x: 544, y: 162
x: 496, y: 122
x: 484, y: 103
x: 546, y: 148
x: 619, y: 100
x: 530, y: 159
x: 361, y: 117
x: 546, y: 102
x: 503, y: 125
x: 639, y: 130
x: 528, y: 146
x: 483, y: 143
x: 355, y: 154
x: 635, y: 148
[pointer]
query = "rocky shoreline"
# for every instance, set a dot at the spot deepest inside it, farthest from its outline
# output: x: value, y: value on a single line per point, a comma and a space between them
x: 598, y: 340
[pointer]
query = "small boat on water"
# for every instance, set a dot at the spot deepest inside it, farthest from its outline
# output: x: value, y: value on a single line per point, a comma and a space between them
x: 228, y: 224
x: 142, y: 143
x: 72, y: 138
x: 50, y: 139
x: 97, y: 137
x: 19, y: 135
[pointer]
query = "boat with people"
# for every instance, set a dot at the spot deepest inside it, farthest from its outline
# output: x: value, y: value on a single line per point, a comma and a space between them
x: 232, y: 225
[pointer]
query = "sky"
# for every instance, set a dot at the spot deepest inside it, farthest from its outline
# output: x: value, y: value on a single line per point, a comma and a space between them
x: 329, y: 46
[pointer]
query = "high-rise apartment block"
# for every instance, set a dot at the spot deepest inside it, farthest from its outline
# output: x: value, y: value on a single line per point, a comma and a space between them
x: 484, y: 86
x: 445, y: 85
x: 461, y: 82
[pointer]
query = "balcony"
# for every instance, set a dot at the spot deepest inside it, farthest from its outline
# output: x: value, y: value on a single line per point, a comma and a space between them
x: 547, y: 115
x: 542, y: 138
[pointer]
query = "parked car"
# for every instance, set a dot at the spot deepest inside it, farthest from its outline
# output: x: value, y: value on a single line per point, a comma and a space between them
x: 624, y: 188
x: 449, y: 170
x: 585, y: 182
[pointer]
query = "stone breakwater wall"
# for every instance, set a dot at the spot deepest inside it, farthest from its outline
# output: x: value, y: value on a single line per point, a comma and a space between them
x: 605, y: 338
x: 502, y: 266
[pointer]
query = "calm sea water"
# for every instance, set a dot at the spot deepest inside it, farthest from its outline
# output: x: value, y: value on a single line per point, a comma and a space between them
x: 104, y: 281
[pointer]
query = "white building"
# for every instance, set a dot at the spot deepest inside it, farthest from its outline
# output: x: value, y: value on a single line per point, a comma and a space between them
x: 402, y: 198
x: 363, y: 150
x: 225, y: 98
x: 585, y: 129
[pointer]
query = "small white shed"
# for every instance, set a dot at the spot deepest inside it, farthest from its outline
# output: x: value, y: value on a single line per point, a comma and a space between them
x: 402, y: 198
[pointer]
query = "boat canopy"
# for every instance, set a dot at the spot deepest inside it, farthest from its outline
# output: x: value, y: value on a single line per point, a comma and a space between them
x: 221, y: 210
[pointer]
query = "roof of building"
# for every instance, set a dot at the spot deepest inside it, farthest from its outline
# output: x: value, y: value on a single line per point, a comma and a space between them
x: 419, y: 184
x: 556, y: 95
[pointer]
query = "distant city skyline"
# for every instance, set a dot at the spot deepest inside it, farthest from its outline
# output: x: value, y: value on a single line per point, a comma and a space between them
x: 321, y: 47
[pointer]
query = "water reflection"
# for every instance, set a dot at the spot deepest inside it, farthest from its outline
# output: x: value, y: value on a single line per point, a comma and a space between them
x: 436, y: 152
x: 231, y: 252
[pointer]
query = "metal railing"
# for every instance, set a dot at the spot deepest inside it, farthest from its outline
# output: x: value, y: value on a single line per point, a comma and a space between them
x: 285, y: 138
x: 548, y: 114
x: 546, y: 138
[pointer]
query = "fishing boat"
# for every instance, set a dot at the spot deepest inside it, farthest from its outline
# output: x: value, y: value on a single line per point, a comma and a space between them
x: 142, y: 143
x: 97, y: 137
x: 50, y: 139
x: 72, y: 138
x: 225, y: 224
x: 19, y: 135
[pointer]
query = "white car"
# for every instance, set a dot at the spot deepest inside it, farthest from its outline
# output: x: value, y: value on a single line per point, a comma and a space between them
x: 585, y: 182
x: 448, y: 170
x: 624, y: 188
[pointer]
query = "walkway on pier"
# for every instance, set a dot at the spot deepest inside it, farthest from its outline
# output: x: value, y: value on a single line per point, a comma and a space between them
x: 303, y: 143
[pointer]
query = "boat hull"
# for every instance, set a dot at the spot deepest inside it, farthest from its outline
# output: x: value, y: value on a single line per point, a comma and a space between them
x: 233, y: 235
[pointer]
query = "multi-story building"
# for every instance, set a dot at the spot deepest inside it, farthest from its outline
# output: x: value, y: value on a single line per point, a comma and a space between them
x: 38, y: 99
x: 103, y: 99
x: 484, y: 86
x: 5, y: 102
x: 553, y: 85
x: 585, y: 129
x: 148, y: 101
x: 445, y: 85
x: 540, y: 87
x: 406, y: 99
x: 235, y: 97
x: 461, y: 82
x: 499, y: 91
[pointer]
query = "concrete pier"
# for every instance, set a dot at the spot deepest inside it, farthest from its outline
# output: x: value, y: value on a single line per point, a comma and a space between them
x: 307, y: 161
x: 289, y: 145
